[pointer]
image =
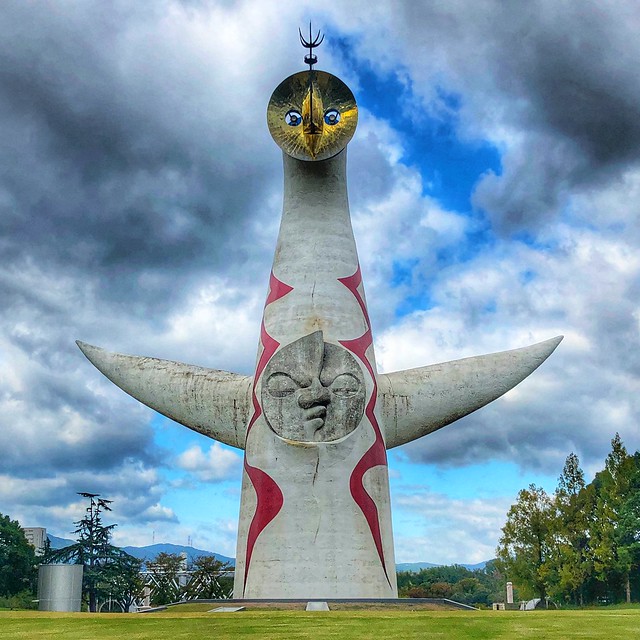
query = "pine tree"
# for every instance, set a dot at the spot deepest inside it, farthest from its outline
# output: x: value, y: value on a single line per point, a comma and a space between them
x: 572, y: 558
x: 611, y: 486
x: 108, y: 570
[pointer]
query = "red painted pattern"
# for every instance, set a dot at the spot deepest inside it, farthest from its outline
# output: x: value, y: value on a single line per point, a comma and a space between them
x: 376, y: 454
x: 268, y: 494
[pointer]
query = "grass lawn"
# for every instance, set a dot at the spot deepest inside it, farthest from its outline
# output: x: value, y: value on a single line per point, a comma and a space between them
x: 175, y: 624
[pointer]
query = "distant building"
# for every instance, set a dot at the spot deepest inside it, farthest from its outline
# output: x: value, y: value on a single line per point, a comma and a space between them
x: 36, y: 536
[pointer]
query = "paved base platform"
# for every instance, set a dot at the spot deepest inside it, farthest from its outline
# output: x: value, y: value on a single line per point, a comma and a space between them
x: 317, y: 606
x: 341, y: 604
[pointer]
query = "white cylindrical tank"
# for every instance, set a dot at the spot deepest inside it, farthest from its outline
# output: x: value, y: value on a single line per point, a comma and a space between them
x: 60, y: 587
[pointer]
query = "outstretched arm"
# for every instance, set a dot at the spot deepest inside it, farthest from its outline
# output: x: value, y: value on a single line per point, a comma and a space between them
x: 419, y: 401
x: 212, y: 402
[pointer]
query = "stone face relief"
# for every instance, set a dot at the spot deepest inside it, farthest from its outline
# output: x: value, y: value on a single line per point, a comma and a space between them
x: 313, y: 391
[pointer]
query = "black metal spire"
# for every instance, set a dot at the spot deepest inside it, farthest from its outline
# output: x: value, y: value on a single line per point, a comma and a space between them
x: 310, y: 44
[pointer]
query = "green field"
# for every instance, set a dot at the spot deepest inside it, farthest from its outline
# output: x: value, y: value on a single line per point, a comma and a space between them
x: 174, y: 624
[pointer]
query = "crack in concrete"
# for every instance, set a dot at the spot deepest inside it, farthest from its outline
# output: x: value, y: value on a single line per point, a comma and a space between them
x: 313, y: 482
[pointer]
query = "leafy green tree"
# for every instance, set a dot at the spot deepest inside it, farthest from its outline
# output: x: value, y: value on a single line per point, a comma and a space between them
x: 572, y: 554
x: 525, y: 548
x: 478, y: 587
x: 496, y: 583
x: 206, y: 581
x: 416, y: 591
x: 585, y: 545
x: 164, y: 578
x: 17, y: 559
x: 109, y: 572
x: 439, y: 590
x: 470, y: 591
x: 23, y: 600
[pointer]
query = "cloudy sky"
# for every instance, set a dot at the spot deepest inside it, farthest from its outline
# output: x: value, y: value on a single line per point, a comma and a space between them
x: 494, y: 185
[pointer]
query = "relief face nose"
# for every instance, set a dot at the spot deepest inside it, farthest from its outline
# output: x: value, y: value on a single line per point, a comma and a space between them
x: 314, y: 395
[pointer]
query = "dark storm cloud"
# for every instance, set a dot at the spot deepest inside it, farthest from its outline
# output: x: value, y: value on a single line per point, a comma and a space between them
x: 112, y: 167
x: 580, y: 397
x: 124, y: 180
x: 554, y: 84
x: 135, y: 493
x: 576, y: 70
x: 56, y: 423
x: 521, y: 434
x: 537, y: 430
x: 575, y: 77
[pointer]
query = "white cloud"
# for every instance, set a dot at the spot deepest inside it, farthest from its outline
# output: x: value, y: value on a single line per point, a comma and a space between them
x: 218, y: 326
x: 449, y: 531
x: 578, y: 283
x: 217, y: 464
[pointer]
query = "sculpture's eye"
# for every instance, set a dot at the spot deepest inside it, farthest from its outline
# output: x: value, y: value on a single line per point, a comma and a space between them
x: 293, y: 118
x: 331, y: 116
x: 280, y: 385
x: 345, y: 385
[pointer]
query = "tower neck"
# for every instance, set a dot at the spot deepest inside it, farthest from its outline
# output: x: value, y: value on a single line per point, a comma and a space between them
x: 316, y: 188
x: 315, y: 251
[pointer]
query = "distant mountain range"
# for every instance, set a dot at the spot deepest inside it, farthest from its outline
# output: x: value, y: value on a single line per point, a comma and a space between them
x: 151, y: 551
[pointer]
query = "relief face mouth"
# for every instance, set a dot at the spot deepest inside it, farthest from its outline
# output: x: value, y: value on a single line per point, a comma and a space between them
x: 313, y: 391
x: 314, y: 419
x: 316, y: 412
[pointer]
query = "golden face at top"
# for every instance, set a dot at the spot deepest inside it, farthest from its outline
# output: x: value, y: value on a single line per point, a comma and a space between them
x: 312, y: 117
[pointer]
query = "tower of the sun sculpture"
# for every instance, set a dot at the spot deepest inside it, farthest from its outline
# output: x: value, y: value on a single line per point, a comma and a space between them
x: 316, y: 419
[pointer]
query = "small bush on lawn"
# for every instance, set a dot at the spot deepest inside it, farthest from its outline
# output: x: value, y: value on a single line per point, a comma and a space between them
x: 22, y: 600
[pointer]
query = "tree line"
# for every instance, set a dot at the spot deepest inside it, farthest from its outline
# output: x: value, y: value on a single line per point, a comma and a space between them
x: 111, y: 578
x: 580, y: 545
x: 480, y: 587
x: 171, y: 579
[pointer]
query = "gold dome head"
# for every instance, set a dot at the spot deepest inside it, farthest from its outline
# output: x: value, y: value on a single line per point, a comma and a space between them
x: 312, y: 117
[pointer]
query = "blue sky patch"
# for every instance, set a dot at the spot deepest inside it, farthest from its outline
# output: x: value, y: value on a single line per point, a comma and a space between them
x: 450, y: 167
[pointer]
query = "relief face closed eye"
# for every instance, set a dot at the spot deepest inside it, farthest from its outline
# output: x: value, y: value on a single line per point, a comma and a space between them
x: 281, y: 385
x: 345, y: 385
x: 313, y: 391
